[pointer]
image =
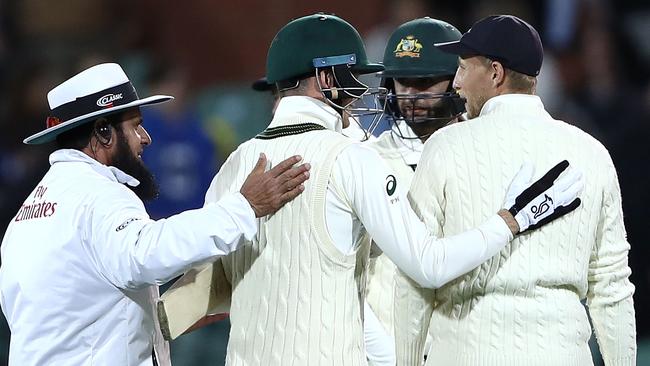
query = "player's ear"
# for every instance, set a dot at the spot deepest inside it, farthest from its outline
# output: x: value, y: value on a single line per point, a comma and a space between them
x: 326, y: 78
x: 498, y: 73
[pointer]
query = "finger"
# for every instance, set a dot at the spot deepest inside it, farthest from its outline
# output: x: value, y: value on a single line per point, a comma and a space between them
x: 294, y: 172
x: 570, y: 207
x: 525, y: 174
x: 284, y: 165
x: 286, y: 197
x: 260, y: 165
x: 571, y: 192
x: 294, y: 182
x: 542, y: 184
x: 554, y: 172
x: 567, y: 179
x: 559, y: 212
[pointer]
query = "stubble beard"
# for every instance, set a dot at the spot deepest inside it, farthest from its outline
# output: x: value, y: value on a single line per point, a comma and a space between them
x: 474, y: 106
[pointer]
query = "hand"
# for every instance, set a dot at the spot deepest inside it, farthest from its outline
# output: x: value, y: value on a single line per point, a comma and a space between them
x: 268, y: 191
x: 534, y: 205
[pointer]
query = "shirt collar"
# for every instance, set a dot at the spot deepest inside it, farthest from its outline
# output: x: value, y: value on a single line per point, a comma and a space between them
x: 521, y: 102
x: 411, y: 147
x: 110, y: 172
x: 311, y: 109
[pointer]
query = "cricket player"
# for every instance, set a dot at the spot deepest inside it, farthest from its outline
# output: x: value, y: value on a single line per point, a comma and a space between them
x: 297, y: 289
x: 523, y: 306
x: 420, y: 101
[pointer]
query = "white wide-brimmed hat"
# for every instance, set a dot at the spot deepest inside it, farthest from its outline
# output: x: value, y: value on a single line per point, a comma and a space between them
x: 100, y: 90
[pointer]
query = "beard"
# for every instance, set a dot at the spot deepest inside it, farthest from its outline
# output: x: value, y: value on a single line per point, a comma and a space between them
x: 126, y: 161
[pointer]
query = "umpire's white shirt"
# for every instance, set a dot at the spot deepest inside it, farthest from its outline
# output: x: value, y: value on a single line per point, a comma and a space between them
x: 81, y: 255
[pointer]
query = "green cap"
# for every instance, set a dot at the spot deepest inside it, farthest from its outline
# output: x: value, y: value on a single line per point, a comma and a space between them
x: 298, y: 43
x: 410, y: 51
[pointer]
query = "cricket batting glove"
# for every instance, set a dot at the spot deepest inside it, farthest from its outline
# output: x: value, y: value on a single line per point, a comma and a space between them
x: 534, y: 205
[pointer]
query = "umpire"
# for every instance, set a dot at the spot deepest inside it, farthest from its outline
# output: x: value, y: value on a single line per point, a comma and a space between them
x: 81, y: 258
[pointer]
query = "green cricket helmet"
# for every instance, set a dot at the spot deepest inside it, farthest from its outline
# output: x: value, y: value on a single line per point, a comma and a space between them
x: 317, y: 42
x: 409, y: 55
x: 318, y: 36
x: 410, y: 52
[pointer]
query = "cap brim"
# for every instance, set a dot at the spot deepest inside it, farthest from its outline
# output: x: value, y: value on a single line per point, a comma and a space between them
x: 369, y: 68
x: 456, y: 48
x: 262, y: 85
x: 51, y: 133
x: 414, y: 73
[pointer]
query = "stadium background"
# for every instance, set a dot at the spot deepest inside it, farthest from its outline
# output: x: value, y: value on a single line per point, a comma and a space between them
x: 596, y: 75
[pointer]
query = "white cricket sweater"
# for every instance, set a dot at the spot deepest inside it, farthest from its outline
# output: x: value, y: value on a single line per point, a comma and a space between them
x: 296, y: 299
x: 522, y: 307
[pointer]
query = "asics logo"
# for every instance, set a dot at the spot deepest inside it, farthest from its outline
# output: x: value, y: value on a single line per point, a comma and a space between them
x: 391, y: 184
x: 126, y: 223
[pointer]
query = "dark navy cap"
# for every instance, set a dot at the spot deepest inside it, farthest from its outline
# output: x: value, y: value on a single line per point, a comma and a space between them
x: 504, y: 38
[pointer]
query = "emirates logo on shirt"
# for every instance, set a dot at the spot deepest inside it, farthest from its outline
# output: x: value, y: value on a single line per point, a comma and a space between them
x: 37, y: 208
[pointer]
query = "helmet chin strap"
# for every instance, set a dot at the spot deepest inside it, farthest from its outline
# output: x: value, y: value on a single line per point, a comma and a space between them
x: 334, y: 93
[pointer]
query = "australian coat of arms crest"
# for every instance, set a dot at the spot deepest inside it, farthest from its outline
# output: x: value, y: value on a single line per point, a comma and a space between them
x: 409, y: 47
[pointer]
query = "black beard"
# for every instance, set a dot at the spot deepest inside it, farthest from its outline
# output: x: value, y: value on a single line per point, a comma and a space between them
x: 127, y: 162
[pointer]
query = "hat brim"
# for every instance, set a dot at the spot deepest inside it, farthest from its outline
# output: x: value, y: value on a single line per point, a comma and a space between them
x: 456, y: 48
x: 50, y: 134
x: 368, y: 68
x: 415, y: 73
x: 262, y: 85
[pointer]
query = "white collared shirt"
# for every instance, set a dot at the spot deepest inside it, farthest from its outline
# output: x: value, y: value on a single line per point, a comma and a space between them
x: 81, y: 255
x: 410, y: 147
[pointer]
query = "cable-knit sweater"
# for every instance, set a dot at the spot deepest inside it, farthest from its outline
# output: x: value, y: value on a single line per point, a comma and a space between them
x: 523, y: 306
x: 296, y: 299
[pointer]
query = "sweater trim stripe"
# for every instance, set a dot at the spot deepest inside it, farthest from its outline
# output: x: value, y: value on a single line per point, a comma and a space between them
x: 280, y: 131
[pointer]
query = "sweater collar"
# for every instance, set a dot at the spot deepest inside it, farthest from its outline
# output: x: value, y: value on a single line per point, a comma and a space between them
x: 110, y: 172
x: 518, y: 102
x: 309, y: 110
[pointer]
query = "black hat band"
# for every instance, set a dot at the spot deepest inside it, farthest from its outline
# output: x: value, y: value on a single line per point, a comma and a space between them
x: 104, y: 99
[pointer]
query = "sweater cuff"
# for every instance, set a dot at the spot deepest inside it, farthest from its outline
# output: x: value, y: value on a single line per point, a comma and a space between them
x: 624, y: 361
x: 410, y: 353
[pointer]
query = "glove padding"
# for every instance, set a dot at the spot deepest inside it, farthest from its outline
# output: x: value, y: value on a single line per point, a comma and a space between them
x: 534, y: 205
